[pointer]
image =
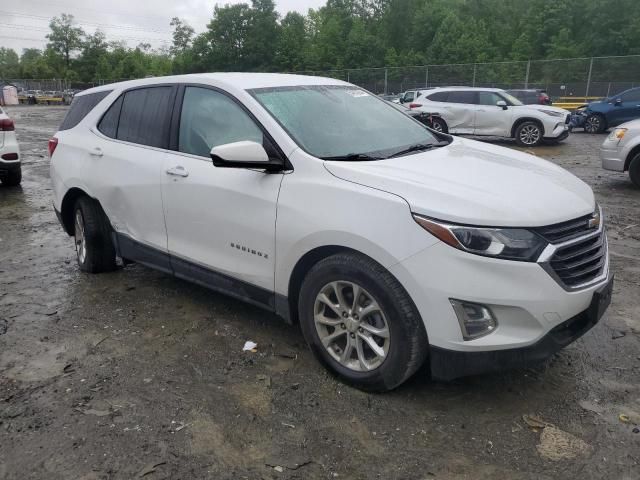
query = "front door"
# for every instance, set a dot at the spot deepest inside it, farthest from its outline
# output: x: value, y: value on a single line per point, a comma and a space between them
x: 220, y: 221
x: 628, y: 108
x: 490, y: 118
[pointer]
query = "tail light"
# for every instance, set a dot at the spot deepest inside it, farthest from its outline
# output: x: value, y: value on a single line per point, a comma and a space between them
x: 7, y: 125
x: 415, y: 105
x: 10, y: 156
x: 53, y: 143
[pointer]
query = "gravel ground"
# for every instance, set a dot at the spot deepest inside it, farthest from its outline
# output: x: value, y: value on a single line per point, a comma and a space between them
x: 137, y: 374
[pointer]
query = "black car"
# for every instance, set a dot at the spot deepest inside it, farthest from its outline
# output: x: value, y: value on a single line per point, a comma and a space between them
x: 531, y: 96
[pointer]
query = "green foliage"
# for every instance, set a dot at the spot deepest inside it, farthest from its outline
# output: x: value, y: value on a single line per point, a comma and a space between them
x: 351, y: 34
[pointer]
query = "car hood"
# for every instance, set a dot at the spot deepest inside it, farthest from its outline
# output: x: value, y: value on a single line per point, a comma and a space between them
x: 476, y: 183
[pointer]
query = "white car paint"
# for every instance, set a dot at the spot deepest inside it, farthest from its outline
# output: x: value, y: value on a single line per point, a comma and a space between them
x: 206, y: 216
x: 615, y: 151
x: 8, y: 144
x: 491, y: 120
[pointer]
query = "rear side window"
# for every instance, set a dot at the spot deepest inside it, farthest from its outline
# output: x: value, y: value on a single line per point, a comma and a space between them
x: 80, y: 107
x: 145, y: 116
x: 109, y: 123
x: 438, y: 97
x: 462, y: 96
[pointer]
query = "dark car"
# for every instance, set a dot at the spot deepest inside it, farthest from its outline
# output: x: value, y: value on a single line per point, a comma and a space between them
x: 531, y: 96
x: 612, y: 111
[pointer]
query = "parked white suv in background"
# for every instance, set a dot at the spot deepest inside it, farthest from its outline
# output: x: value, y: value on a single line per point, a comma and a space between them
x: 390, y: 244
x: 10, y: 168
x: 494, y: 112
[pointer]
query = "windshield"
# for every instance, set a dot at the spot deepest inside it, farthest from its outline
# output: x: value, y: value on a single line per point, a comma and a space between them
x: 331, y: 122
x: 511, y: 99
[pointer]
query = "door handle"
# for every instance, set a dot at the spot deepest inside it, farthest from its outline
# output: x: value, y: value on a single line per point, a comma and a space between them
x: 96, y: 152
x: 178, y: 171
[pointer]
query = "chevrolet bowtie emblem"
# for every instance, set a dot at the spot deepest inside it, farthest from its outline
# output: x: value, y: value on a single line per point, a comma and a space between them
x: 594, y: 221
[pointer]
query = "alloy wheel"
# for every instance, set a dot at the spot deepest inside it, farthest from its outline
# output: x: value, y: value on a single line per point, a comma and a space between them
x: 80, y: 240
x: 351, y: 326
x: 529, y: 134
x: 592, y: 124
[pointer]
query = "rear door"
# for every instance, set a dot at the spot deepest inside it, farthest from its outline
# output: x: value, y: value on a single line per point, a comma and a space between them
x: 460, y: 111
x: 490, y: 118
x: 220, y: 221
x: 127, y: 155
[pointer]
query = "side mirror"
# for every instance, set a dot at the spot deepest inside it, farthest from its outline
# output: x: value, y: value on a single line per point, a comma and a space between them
x: 243, y: 154
x: 502, y: 104
x: 618, y: 102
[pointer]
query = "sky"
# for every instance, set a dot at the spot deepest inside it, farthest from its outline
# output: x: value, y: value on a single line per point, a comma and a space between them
x: 24, y: 24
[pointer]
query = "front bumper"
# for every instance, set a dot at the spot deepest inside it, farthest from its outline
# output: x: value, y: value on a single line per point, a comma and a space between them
x: 559, y: 132
x: 612, y: 156
x: 450, y: 364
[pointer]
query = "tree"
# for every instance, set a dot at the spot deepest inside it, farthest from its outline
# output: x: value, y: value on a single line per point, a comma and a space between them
x: 65, y: 38
x: 9, y: 63
x: 182, y: 36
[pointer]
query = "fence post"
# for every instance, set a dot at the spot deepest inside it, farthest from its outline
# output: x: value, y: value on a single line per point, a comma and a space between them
x: 526, y: 78
x: 586, y: 94
x: 348, y: 80
x: 475, y: 66
x: 386, y: 71
x: 608, y: 89
x: 426, y: 78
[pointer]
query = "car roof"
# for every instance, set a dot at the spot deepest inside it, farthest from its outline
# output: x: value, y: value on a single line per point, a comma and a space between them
x: 230, y: 80
x: 478, y: 89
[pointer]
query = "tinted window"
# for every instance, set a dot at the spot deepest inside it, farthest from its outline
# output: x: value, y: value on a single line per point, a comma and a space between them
x: 631, y: 96
x: 409, y: 96
x: 488, y: 98
x: 145, y: 115
x: 80, y: 107
x: 462, y: 96
x: 438, y: 97
x: 209, y: 119
x: 109, y: 123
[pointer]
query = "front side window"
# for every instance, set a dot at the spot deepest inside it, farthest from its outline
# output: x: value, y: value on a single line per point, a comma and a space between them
x: 330, y: 121
x: 489, y: 98
x: 145, y: 116
x: 632, y: 96
x: 439, y: 96
x: 209, y: 119
x: 409, y: 96
x: 510, y: 99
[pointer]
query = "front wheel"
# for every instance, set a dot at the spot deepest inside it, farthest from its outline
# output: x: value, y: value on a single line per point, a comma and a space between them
x: 594, y: 123
x: 360, y: 322
x: 634, y: 170
x: 439, y: 125
x: 529, y: 134
x: 94, y: 248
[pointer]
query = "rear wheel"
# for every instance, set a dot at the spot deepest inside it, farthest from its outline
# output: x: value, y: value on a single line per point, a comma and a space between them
x: 594, y: 123
x: 529, y: 134
x: 13, y: 178
x: 439, y: 125
x: 634, y: 170
x: 360, y: 323
x: 94, y: 248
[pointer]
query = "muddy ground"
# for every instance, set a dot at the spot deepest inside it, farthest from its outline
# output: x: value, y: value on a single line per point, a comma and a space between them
x: 135, y: 373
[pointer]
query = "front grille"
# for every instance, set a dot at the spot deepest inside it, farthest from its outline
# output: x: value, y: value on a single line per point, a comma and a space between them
x: 582, y: 261
x: 564, y: 231
x: 568, y: 119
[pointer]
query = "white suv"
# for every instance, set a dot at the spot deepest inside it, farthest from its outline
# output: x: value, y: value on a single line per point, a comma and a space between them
x: 494, y: 112
x: 10, y: 168
x: 389, y: 244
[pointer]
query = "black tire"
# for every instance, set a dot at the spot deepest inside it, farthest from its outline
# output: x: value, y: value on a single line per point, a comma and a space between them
x: 408, y: 344
x: 99, y: 254
x: 595, y: 123
x: 439, y: 125
x: 634, y: 170
x: 529, y: 134
x: 13, y: 178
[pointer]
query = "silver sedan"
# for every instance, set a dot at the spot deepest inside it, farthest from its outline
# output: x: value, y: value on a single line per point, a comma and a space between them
x: 621, y: 150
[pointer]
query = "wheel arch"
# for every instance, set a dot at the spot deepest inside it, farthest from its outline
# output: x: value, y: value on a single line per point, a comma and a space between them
x: 631, y: 155
x: 520, y: 121
x: 66, y: 208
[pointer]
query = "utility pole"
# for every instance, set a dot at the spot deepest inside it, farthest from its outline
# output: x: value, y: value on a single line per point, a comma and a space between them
x: 586, y: 93
x: 526, y: 78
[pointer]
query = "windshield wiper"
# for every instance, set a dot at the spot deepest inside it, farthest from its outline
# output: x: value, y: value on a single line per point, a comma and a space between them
x: 417, y: 148
x: 353, y: 157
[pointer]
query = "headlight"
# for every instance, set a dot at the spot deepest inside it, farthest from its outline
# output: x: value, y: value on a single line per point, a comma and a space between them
x: 506, y: 243
x: 552, y: 113
x: 617, y: 134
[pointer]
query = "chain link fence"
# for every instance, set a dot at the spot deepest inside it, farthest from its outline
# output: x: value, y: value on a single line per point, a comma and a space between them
x: 579, y: 77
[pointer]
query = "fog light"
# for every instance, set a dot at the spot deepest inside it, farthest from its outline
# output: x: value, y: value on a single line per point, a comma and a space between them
x: 475, y: 320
